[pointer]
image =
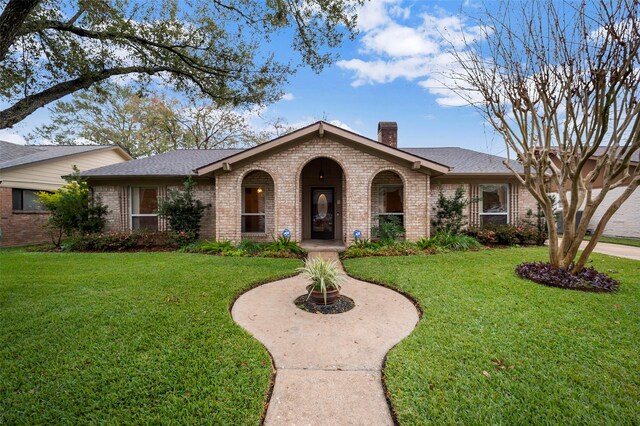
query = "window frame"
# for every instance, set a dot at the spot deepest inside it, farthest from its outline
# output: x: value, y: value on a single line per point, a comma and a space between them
x: 22, y: 207
x: 381, y: 201
x: 132, y: 214
x: 507, y: 201
x: 243, y: 214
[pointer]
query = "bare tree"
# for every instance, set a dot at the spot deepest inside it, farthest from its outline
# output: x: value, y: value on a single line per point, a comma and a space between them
x: 559, y: 81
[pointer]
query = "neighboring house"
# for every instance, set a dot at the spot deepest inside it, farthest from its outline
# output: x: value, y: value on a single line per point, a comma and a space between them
x: 319, y: 182
x: 626, y: 221
x: 27, y: 169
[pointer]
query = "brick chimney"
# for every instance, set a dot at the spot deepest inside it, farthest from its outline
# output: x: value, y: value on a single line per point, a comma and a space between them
x: 388, y: 133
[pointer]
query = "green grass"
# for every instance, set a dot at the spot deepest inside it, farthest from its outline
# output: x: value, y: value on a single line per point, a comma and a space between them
x: 133, y: 338
x: 553, y: 356
x: 618, y: 240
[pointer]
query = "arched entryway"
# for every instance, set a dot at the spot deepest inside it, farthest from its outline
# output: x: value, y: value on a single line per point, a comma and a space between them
x: 322, y: 195
x: 387, y: 198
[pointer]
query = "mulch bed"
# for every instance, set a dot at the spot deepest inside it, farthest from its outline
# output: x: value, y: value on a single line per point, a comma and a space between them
x: 343, y: 304
x: 586, y: 280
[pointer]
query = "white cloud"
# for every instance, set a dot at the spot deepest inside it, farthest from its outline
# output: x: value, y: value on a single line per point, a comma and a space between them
x: 287, y: 97
x: 8, y: 136
x: 393, y: 49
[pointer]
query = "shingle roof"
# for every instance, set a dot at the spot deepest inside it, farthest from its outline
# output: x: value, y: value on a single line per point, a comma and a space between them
x: 465, y: 161
x: 13, y: 155
x: 184, y: 162
x: 181, y: 162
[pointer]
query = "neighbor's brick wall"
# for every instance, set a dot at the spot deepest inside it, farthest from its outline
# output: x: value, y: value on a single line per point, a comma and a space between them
x: 285, y: 167
x: 20, y: 228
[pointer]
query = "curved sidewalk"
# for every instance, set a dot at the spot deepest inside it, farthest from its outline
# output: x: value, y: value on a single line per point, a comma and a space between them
x: 328, y: 367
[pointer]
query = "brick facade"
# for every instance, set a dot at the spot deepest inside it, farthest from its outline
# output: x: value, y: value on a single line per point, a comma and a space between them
x: 356, y: 175
x: 285, y: 167
x: 21, y: 228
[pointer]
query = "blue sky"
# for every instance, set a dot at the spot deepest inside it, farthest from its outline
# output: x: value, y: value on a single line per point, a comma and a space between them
x: 393, y: 71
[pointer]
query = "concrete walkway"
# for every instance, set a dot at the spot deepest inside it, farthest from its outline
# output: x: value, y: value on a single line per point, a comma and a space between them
x: 630, y: 252
x: 328, y: 366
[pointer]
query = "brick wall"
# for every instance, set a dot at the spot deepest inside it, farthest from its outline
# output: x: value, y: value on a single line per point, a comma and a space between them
x: 116, y: 198
x: 20, y: 228
x: 359, y: 169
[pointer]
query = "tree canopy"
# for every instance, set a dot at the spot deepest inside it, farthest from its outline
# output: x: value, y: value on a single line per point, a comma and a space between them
x: 146, y: 124
x: 220, y: 48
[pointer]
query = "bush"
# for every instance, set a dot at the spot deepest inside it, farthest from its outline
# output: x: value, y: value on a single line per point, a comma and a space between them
x: 182, y: 211
x: 586, y: 280
x: 460, y: 242
x: 508, y: 234
x: 389, y: 229
x: 122, y: 241
x: 280, y: 248
x: 282, y: 244
x: 380, y: 249
x: 72, y: 210
x: 449, y: 212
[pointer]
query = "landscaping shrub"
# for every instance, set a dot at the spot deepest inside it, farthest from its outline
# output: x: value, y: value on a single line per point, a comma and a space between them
x: 282, y: 244
x: 280, y: 248
x: 508, y: 234
x: 457, y: 242
x: 389, y: 229
x: 586, y: 280
x: 379, y: 249
x: 72, y: 210
x: 122, y: 241
x: 448, y: 213
x: 182, y: 211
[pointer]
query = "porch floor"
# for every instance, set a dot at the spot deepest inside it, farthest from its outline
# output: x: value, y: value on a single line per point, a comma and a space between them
x: 322, y: 245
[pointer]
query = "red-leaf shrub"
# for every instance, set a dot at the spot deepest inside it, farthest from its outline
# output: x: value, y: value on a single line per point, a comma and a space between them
x: 586, y: 280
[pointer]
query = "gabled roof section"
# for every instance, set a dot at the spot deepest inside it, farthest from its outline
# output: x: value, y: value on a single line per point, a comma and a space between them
x: 466, y: 161
x: 321, y: 128
x: 13, y: 155
x: 181, y: 162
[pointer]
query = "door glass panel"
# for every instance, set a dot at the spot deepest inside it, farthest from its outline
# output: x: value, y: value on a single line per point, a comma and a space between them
x: 322, y: 213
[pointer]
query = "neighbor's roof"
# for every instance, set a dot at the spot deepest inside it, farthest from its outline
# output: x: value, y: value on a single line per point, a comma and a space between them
x: 13, y: 155
x: 181, y: 162
x: 466, y: 161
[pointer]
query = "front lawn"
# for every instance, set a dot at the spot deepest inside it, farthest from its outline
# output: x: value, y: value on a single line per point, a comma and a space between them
x: 492, y: 348
x: 129, y: 338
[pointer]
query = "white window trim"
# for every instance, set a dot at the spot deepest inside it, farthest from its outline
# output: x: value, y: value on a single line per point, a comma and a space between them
x: 381, y: 201
x: 132, y: 214
x: 243, y: 214
x: 508, y: 198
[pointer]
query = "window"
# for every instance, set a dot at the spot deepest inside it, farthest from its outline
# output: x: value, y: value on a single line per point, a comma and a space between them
x: 26, y: 199
x: 494, y: 204
x: 144, y: 207
x: 390, y: 202
x: 253, y: 209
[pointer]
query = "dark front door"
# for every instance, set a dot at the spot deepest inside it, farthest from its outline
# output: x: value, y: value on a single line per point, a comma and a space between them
x: 322, y: 214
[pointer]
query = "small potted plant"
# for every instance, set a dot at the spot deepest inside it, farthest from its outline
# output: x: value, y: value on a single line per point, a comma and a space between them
x: 326, y: 279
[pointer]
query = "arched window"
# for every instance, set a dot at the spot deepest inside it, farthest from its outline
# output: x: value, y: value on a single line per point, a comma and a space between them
x: 257, y: 203
x: 387, y: 198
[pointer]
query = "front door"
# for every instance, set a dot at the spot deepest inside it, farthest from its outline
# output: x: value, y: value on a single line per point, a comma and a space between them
x: 322, y: 214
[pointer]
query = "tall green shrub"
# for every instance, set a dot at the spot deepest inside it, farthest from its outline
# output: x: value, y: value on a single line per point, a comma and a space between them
x: 182, y: 210
x: 449, y: 214
x: 389, y: 229
x: 72, y: 209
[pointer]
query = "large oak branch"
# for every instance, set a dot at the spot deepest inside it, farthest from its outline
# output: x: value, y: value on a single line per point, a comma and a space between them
x: 29, y: 104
